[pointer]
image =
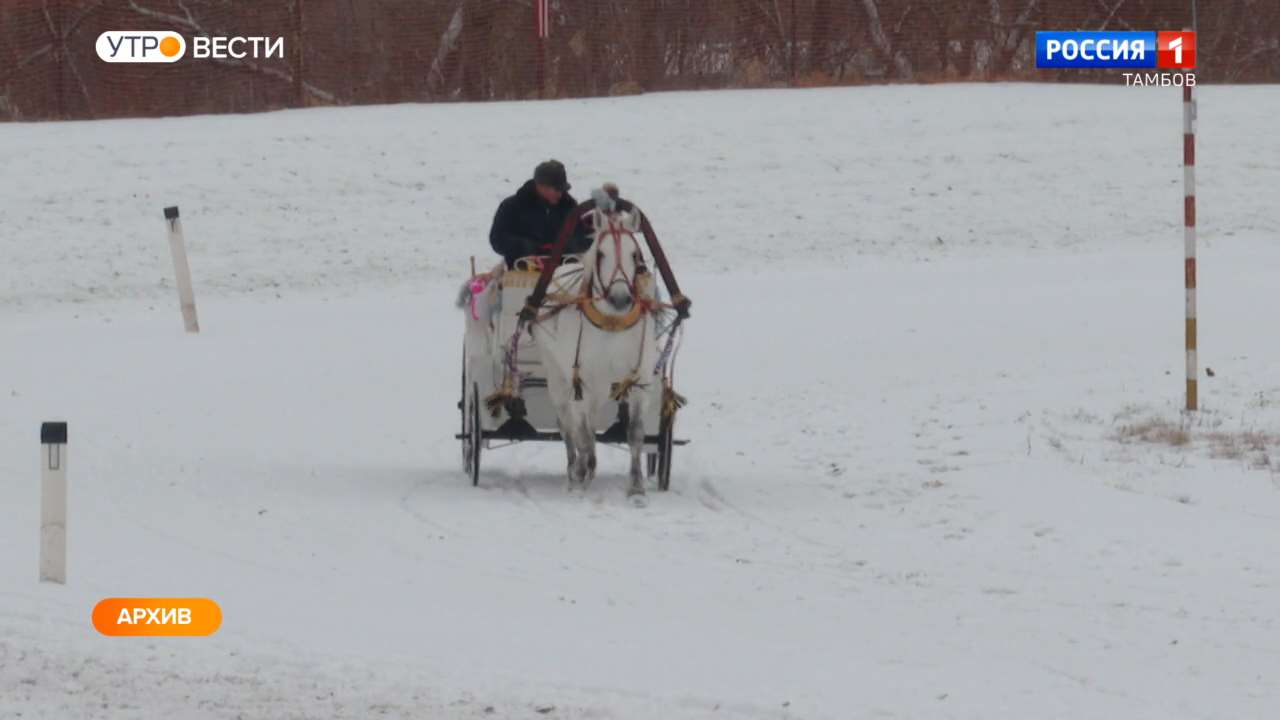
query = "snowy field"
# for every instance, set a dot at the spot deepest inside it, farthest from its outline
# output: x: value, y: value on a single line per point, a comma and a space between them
x: 938, y: 467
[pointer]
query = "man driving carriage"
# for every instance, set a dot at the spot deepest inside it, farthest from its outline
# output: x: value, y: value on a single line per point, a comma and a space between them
x: 528, y: 222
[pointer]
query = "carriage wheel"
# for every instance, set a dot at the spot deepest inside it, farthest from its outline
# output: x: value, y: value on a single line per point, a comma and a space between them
x: 472, y: 440
x: 666, y: 434
x: 462, y: 411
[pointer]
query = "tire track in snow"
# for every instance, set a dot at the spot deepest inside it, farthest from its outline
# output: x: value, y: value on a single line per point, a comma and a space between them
x: 708, y: 489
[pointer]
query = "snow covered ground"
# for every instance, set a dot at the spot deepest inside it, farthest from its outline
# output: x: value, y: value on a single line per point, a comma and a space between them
x: 938, y: 467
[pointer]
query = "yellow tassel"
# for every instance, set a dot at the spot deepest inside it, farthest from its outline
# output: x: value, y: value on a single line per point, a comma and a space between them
x: 620, y: 389
x: 497, y: 400
x: 671, y: 401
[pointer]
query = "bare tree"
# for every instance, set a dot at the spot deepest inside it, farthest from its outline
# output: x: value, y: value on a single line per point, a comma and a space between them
x: 1007, y: 37
x: 448, y: 45
x: 891, y: 55
x: 190, y: 23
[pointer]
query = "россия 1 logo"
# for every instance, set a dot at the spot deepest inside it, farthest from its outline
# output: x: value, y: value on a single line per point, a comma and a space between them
x: 1120, y: 49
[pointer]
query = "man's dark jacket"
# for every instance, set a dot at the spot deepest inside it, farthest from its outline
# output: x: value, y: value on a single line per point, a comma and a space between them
x: 525, y: 224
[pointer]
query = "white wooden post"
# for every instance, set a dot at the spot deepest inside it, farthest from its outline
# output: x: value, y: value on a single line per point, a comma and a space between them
x: 53, y: 502
x: 181, y: 269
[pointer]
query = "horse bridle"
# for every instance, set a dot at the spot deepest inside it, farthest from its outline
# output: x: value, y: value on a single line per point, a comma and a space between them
x: 615, y: 232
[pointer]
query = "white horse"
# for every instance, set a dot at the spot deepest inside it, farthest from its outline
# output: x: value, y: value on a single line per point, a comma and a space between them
x: 599, y: 344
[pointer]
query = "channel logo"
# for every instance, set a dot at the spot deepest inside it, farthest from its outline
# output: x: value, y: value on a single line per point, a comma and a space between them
x: 140, y: 46
x: 1176, y: 50
x: 1115, y: 49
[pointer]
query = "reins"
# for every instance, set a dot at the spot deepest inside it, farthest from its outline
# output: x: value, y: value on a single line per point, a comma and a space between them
x: 678, y: 301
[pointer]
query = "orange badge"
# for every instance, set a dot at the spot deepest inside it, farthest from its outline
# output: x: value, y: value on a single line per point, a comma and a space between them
x: 157, y: 617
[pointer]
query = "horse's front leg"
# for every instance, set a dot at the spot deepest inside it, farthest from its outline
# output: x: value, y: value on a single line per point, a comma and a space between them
x: 570, y: 451
x: 635, y: 438
x: 580, y: 446
x: 586, y: 450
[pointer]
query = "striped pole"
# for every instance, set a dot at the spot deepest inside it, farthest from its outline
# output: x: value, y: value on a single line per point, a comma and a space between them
x: 542, y: 28
x: 1189, y: 233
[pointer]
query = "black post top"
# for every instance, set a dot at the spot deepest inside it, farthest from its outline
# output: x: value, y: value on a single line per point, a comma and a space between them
x: 53, y: 433
x: 171, y: 213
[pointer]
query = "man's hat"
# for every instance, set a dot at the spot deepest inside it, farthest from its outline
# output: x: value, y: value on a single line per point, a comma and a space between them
x: 552, y: 174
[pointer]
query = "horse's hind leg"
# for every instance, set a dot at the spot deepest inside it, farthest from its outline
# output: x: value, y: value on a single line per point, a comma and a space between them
x: 635, y: 439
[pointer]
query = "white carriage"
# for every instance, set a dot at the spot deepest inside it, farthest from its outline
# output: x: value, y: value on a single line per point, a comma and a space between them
x: 493, y: 320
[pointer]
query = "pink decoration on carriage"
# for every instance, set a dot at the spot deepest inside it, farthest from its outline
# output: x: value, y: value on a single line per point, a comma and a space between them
x: 478, y: 284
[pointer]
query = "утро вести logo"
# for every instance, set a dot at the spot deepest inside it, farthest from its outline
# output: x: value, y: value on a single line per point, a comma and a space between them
x: 163, y: 46
x: 140, y: 46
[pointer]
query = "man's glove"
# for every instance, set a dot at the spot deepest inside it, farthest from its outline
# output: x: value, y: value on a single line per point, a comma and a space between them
x: 528, y: 247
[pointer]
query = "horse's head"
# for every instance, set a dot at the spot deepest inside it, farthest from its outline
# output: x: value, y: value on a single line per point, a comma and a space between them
x: 616, y: 262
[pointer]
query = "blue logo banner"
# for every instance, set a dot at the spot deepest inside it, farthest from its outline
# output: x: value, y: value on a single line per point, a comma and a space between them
x: 1095, y: 49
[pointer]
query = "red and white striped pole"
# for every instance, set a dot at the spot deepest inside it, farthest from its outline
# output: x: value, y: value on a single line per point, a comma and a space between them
x: 542, y: 18
x: 542, y: 28
x: 1189, y: 233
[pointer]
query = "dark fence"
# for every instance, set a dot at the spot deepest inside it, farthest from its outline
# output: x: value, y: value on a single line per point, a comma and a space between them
x: 366, y: 51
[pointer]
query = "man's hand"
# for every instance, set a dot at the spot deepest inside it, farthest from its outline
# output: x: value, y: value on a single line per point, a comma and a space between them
x: 529, y: 247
